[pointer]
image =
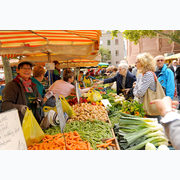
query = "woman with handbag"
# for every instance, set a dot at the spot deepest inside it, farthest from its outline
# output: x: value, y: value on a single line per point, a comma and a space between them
x: 148, y: 88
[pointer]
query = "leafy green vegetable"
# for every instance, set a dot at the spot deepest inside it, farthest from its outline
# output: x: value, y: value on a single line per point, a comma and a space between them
x: 135, y: 132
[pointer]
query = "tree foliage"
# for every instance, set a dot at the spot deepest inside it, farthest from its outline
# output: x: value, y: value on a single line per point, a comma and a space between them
x: 105, y: 54
x: 135, y: 35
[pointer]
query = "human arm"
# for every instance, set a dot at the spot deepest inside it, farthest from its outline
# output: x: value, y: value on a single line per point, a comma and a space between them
x: 171, y: 119
x: 110, y: 80
x: 142, y: 84
x: 9, y: 97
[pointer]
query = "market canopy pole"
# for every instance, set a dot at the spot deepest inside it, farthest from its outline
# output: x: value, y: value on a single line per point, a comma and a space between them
x: 7, y: 69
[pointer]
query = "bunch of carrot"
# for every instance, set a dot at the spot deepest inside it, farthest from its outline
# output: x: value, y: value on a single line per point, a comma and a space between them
x: 66, y: 141
x: 107, y: 143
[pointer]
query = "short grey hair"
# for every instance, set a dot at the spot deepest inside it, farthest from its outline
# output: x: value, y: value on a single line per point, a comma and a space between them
x: 159, y: 57
x: 123, y: 65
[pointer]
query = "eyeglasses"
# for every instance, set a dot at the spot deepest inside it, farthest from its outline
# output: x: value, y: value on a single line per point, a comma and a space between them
x: 160, y: 60
x: 26, y: 69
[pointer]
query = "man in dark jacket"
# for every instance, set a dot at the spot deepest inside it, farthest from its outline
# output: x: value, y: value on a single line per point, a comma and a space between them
x: 124, y: 80
x: 173, y: 67
x: 178, y: 81
x: 21, y: 93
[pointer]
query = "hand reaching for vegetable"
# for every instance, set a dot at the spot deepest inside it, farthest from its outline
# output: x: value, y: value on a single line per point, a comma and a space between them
x: 134, y: 84
x: 165, y: 105
x: 127, y: 90
x: 99, y: 82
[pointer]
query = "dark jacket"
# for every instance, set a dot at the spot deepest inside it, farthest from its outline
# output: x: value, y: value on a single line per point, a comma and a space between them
x: 130, y: 79
x: 178, y: 74
x: 172, y: 69
x: 13, y: 96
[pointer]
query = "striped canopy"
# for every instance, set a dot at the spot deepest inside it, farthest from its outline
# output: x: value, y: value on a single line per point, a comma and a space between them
x: 62, y: 42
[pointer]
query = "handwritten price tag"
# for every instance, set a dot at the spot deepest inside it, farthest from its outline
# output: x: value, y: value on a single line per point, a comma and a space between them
x: 11, y: 134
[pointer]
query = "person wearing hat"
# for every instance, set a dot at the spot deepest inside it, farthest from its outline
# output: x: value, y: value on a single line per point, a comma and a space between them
x: 21, y: 93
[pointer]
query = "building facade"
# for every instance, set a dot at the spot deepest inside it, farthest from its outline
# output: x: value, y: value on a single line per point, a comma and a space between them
x: 115, y: 45
x: 155, y: 46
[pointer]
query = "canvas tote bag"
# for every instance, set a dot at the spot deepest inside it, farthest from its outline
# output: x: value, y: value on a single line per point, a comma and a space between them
x: 150, y: 95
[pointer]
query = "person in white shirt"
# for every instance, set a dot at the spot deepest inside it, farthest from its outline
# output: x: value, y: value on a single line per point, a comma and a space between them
x: 170, y: 120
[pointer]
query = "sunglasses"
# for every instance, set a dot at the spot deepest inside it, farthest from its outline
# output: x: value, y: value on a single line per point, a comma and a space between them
x: 160, y: 60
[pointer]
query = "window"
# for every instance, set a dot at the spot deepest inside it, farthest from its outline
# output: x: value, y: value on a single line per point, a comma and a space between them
x: 116, y: 41
x: 117, y: 53
x: 117, y: 62
x: 108, y: 42
x: 109, y: 52
x: 109, y: 62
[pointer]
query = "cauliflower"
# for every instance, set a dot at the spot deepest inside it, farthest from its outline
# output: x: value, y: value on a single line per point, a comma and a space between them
x: 150, y: 146
x: 163, y: 147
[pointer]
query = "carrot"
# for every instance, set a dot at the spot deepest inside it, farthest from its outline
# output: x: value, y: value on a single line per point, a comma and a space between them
x: 111, y: 139
x: 57, y: 142
x: 104, y: 144
x: 112, y: 144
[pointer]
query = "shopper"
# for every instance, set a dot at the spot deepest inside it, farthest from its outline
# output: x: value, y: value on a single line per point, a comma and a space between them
x: 173, y: 66
x: 124, y: 80
x: 165, y: 76
x: 21, y: 93
x: 38, y: 76
x: 146, y: 66
x: 146, y: 86
x: 170, y: 120
x: 178, y: 80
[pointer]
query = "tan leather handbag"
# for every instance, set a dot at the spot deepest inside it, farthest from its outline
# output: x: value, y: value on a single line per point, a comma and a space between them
x: 150, y: 95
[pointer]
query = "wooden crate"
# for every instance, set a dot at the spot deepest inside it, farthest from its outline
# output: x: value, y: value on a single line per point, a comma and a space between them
x: 116, y: 147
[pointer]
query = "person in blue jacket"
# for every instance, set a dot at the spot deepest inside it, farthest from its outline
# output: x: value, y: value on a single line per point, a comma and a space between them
x: 124, y: 80
x: 165, y: 76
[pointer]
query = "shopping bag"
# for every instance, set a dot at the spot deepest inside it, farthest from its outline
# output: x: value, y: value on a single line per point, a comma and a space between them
x: 31, y: 129
x: 150, y: 95
x: 66, y: 107
x: 94, y: 96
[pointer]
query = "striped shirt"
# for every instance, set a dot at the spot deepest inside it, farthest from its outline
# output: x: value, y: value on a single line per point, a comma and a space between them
x: 142, y: 84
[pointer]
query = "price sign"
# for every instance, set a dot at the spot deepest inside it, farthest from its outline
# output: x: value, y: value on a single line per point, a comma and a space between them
x: 78, y: 92
x: 11, y: 134
x: 106, y: 102
x: 62, y: 119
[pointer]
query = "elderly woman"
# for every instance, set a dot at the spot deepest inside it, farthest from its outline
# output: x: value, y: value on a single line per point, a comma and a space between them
x: 146, y: 65
x: 124, y: 80
x: 38, y: 76
x: 21, y: 92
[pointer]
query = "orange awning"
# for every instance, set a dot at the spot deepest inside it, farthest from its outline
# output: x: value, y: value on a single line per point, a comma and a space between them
x: 62, y: 42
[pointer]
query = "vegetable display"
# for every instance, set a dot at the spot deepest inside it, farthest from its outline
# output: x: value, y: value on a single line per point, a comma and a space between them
x: 134, y: 132
x: 75, y: 101
x: 85, y: 111
x: 68, y: 141
x: 133, y: 107
x: 94, y: 132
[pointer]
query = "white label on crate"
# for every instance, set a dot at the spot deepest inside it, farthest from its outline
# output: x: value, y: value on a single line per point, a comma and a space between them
x: 11, y: 134
x: 106, y: 102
